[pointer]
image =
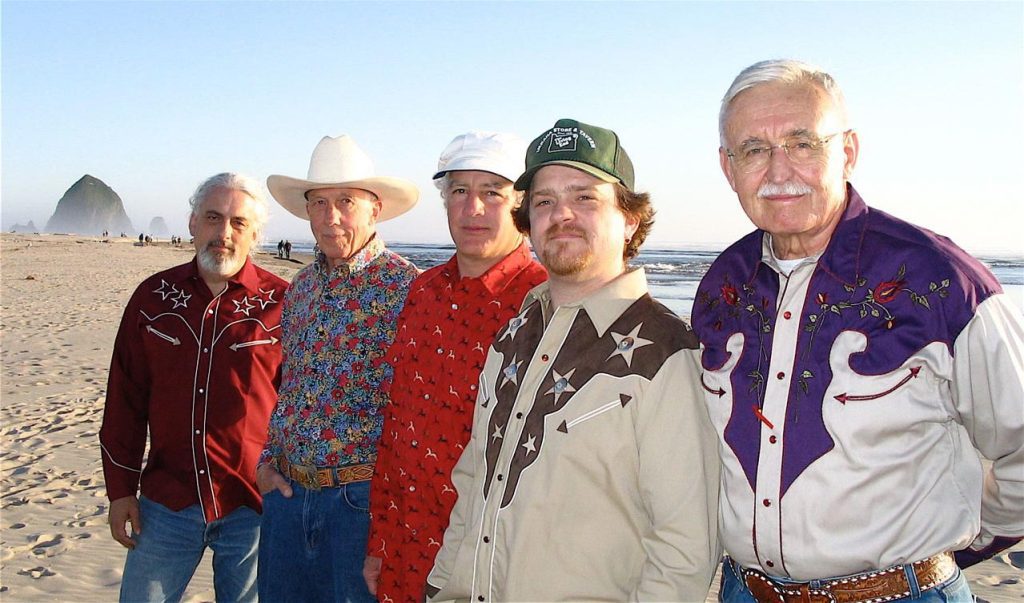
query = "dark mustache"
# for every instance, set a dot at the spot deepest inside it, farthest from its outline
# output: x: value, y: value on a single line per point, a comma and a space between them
x: 560, y: 229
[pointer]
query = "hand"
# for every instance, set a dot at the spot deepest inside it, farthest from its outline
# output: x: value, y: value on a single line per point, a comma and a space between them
x: 268, y: 478
x: 124, y: 509
x: 371, y: 572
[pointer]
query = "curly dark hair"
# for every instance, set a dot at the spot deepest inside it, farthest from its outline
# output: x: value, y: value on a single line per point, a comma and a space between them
x: 634, y: 205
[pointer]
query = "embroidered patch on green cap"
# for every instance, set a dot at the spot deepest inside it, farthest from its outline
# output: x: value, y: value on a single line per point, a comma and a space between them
x: 591, y: 149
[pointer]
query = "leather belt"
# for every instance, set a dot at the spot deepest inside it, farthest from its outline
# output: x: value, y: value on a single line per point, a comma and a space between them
x: 315, y: 478
x: 873, y: 587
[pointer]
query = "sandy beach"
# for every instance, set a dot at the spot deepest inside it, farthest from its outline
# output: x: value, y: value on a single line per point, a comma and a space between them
x: 62, y: 298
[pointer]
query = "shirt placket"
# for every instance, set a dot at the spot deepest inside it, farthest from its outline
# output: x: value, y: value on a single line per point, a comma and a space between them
x: 538, y: 367
x: 772, y: 416
x: 200, y: 406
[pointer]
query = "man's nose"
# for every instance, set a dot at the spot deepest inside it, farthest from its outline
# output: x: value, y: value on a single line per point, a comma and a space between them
x: 780, y: 166
x: 475, y: 204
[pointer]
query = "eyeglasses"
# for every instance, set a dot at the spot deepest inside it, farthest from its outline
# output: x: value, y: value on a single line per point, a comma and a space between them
x: 800, y: 149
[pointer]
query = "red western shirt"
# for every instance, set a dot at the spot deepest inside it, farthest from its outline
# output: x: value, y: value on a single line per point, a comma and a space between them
x: 200, y: 371
x: 443, y: 334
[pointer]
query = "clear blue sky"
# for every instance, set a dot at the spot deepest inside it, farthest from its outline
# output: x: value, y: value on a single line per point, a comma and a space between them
x: 152, y: 97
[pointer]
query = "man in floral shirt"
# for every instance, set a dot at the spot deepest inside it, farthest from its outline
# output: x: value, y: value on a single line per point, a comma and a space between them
x: 338, y: 321
x: 450, y: 318
x: 854, y: 366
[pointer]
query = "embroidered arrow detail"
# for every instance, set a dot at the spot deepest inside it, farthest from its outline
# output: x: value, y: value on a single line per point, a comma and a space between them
x: 844, y: 397
x: 621, y: 402
x: 165, y: 337
x: 237, y: 346
x: 718, y: 392
x: 762, y: 418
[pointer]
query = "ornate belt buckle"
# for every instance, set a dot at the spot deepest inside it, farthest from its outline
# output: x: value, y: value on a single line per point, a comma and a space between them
x: 309, y: 477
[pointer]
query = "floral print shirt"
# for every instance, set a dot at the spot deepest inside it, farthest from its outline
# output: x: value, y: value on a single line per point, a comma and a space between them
x: 337, y: 326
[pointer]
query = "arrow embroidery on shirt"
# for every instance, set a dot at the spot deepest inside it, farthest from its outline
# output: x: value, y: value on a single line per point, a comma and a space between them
x: 165, y: 337
x: 845, y: 397
x: 620, y: 403
x: 718, y: 392
x: 245, y: 344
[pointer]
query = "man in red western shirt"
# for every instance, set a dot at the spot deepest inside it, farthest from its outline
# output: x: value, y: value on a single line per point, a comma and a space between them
x: 450, y: 318
x: 196, y: 363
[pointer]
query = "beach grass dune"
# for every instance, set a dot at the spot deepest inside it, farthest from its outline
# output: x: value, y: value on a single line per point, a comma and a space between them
x: 62, y: 298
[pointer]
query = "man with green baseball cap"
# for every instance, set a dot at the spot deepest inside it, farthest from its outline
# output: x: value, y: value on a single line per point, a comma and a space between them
x: 592, y: 471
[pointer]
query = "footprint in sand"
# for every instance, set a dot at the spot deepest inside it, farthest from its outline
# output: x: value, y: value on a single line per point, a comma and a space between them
x: 1017, y: 559
x: 36, y: 572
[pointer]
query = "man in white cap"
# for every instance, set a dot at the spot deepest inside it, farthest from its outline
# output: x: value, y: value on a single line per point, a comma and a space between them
x: 338, y: 320
x: 450, y: 318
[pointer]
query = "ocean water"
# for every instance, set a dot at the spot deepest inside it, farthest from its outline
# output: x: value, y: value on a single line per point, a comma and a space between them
x: 674, y: 273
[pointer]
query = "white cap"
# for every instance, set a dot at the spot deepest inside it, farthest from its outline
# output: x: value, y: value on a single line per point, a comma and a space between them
x: 495, y: 152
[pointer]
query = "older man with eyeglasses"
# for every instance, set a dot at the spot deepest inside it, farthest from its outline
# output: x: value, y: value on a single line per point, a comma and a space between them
x: 854, y: 365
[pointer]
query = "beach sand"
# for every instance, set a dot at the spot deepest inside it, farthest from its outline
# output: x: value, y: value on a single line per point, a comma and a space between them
x: 62, y: 299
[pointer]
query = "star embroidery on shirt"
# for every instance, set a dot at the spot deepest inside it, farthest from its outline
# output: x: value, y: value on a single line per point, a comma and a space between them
x: 181, y: 299
x: 497, y: 433
x: 530, y: 445
x: 265, y: 302
x: 513, y: 325
x: 165, y: 290
x: 243, y: 306
x: 625, y: 345
x: 511, y: 372
x: 561, y: 385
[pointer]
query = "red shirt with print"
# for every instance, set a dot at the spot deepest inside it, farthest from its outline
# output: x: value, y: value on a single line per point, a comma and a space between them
x: 444, y: 331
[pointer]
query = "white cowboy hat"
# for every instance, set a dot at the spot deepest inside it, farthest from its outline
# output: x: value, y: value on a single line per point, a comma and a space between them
x: 340, y: 163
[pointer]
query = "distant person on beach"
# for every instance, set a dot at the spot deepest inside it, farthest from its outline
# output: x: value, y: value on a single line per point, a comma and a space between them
x: 339, y: 319
x: 450, y: 318
x: 196, y: 363
x: 591, y: 474
x: 854, y: 366
x: 280, y: 249
x: 287, y: 249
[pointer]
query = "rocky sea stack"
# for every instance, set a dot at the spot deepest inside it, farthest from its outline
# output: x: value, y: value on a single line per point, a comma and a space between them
x: 89, y: 207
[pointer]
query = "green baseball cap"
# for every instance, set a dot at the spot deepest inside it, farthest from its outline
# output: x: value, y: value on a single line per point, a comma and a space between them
x: 575, y: 144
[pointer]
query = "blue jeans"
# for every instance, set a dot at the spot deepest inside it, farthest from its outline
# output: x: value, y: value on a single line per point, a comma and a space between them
x: 172, y: 543
x: 314, y: 544
x: 955, y: 590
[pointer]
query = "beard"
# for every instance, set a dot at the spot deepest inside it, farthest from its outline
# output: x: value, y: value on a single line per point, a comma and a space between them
x: 224, y: 262
x: 560, y: 259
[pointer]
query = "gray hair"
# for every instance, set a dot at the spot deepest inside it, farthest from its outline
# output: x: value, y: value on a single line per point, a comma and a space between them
x: 234, y: 182
x: 786, y: 71
x: 445, y: 181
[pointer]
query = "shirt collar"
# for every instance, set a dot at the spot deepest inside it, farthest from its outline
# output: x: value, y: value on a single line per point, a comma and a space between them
x: 768, y: 256
x: 359, y: 260
x: 498, y: 276
x: 603, y: 306
x: 246, y: 277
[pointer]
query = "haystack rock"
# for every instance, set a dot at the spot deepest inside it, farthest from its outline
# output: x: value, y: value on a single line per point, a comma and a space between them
x: 30, y: 227
x: 158, y: 228
x: 89, y: 207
